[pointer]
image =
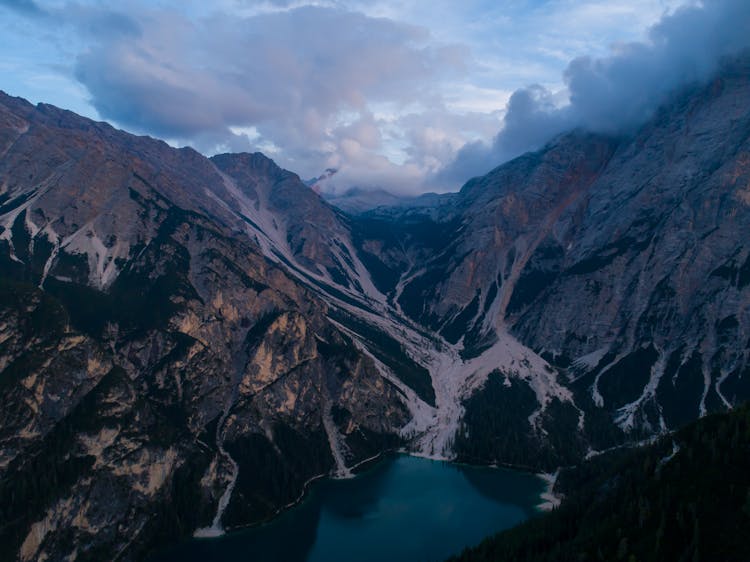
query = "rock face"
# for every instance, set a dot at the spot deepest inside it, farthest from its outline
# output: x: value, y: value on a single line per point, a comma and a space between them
x: 623, y: 261
x: 185, y: 342
x: 152, y: 357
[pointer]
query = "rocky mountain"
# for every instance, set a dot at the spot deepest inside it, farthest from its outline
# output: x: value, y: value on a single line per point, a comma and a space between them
x: 160, y: 374
x: 622, y: 261
x: 357, y: 200
x: 186, y: 342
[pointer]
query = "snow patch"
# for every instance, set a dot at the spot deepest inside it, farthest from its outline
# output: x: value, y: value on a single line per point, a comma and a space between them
x: 706, y: 387
x: 336, y: 443
x: 455, y: 380
x: 409, y: 274
x: 101, y: 259
x: 724, y: 375
x: 625, y: 417
x: 7, y: 220
x: 595, y: 394
x: 670, y: 456
x: 216, y: 529
x: 585, y: 363
x: 551, y: 500
x: 633, y: 445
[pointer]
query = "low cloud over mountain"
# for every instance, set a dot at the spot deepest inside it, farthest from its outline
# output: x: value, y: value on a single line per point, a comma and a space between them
x: 408, y: 98
x: 616, y: 93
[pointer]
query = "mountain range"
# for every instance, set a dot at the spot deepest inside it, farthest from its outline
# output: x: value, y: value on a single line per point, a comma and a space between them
x: 186, y: 342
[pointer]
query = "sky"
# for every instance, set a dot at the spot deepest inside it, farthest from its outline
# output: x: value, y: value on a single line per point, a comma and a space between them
x: 407, y: 96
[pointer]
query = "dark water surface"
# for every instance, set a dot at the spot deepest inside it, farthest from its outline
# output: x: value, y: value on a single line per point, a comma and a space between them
x: 403, y: 509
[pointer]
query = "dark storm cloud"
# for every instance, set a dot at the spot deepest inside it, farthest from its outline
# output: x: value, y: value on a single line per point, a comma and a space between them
x: 619, y: 92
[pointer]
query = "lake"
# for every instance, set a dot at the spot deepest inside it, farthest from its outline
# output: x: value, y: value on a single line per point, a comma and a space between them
x: 403, y: 509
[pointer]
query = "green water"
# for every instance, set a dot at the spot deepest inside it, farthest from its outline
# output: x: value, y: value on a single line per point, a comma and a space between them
x: 403, y: 509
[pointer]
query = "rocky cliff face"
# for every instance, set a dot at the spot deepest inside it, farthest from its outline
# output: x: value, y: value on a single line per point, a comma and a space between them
x: 655, y: 283
x: 622, y: 261
x: 160, y: 374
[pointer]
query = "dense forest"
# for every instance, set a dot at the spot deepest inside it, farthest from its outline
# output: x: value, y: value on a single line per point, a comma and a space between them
x: 683, y: 498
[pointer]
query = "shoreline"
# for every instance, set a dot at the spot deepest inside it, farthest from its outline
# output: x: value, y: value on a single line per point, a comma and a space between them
x: 548, y: 500
x: 532, y: 505
x: 303, y: 494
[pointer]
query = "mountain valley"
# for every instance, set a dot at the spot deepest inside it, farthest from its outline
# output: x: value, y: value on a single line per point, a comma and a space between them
x: 186, y: 342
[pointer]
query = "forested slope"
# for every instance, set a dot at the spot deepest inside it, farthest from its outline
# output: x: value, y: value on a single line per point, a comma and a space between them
x: 686, y: 498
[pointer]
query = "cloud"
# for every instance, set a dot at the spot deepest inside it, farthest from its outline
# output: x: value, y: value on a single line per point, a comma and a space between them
x: 403, y: 96
x: 615, y: 93
x: 305, y: 79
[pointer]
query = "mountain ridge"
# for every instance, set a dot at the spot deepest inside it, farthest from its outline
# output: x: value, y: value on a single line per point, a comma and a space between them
x: 181, y: 353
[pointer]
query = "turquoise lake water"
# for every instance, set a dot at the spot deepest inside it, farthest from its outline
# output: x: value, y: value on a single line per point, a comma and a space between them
x: 404, y: 509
